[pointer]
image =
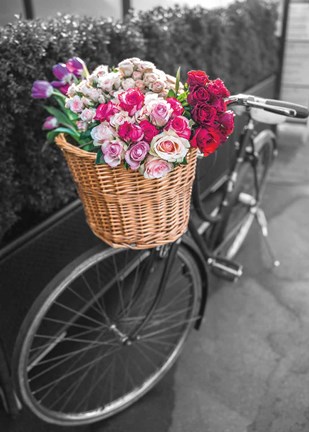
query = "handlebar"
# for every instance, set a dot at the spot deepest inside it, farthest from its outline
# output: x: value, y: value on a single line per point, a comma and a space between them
x: 287, y: 109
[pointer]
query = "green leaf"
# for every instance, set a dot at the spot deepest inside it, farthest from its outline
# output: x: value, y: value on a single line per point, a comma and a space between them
x: 100, y: 158
x: 184, y: 161
x: 53, y: 133
x: 88, y: 146
x: 177, y: 81
x: 171, y: 93
x: 61, y: 117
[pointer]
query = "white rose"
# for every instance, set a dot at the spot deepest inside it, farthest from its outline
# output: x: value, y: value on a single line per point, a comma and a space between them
x: 88, y: 114
x: 126, y: 68
x: 75, y: 104
x: 128, y: 83
x: 146, y: 66
x: 157, y: 86
x: 109, y: 81
x: 119, y: 118
x: 101, y: 133
x: 72, y: 90
x: 149, y: 78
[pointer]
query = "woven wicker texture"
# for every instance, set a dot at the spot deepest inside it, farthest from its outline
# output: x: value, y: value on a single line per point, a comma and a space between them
x: 126, y: 210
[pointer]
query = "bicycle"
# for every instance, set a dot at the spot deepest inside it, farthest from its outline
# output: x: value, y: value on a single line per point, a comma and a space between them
x: 106, y: 329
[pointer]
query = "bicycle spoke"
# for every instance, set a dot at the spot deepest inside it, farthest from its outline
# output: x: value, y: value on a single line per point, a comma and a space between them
x: 82, y: 298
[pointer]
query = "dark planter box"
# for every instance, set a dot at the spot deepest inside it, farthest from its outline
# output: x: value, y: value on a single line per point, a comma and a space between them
x: 29, y: 263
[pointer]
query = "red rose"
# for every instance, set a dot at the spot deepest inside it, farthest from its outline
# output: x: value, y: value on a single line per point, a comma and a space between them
x: 207, y: 140
x: 197, y: 77
x: 219, y: 104
x: 105, y: 111
x: 198, y: 94
x: 180, y: 125
x: 176, y: 106
x: 204, y: 114
x: 226, y: 121
x: 131, y: 100
x: 225, y: 125
x: 130, y: 133
x: 217, y: 88
x: 149, y: 130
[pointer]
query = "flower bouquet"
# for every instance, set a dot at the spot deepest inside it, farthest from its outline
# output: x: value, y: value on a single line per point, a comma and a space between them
x: 131, y: 135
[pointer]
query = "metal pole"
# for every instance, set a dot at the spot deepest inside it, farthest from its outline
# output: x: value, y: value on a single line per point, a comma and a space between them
x: 126, y: 5
x: 286, y: 6
x: 28, y: 8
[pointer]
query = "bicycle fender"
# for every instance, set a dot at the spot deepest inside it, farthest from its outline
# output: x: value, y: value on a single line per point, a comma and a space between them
x: 192, y: 248
x: 264, y: 136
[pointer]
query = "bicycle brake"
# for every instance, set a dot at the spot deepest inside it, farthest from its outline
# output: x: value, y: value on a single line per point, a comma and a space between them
x: 225, y: 268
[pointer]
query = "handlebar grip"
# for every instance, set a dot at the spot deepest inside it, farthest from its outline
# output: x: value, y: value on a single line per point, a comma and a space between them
x: 300, y: 110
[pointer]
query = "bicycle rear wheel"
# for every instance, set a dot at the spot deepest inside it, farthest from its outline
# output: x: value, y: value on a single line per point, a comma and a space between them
x: 72, y: 364
x: 229, y: 234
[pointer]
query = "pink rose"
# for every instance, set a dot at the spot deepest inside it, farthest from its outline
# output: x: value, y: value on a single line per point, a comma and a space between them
x: 105, y: 111
x: 149, y: 130
x: 177, y: 108
x: 112, y: 152
x: 169, y: 146
x: 130, y: 132
x: 131, y: 100
x: 154, y: 168
x: 180, y: 125
x: 136, y: 154
x: 159, y: 112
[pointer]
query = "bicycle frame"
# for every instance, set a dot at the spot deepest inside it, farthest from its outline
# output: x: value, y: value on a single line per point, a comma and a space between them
x: 204, y: 253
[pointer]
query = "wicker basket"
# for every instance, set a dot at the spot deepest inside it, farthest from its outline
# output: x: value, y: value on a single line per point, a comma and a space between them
x: 126, y: 210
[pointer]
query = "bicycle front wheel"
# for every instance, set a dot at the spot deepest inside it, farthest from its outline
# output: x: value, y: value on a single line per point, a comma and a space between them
x: 228, y: 235
x: 73, y: 363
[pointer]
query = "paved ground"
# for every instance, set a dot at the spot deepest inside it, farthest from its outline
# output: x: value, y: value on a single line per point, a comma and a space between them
x: 247, y: 369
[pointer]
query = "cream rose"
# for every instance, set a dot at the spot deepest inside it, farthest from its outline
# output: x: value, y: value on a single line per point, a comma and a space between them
x: 154, y: 168
x: 169, y: 146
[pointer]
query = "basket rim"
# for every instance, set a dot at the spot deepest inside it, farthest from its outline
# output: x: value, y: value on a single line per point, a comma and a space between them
x: 61, y: 141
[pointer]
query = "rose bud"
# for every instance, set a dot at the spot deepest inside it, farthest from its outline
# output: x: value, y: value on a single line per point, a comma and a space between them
x: 61, y: 72
x: 41, y: 90
x: 50, y: 123
x: 76, y: 66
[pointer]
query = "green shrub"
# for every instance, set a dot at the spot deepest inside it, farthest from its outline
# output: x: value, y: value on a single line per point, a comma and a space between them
x: 236, y: 43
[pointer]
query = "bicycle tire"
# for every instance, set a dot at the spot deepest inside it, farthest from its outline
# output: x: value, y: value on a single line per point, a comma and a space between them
x: 238, y: 220
x: 69, y: 367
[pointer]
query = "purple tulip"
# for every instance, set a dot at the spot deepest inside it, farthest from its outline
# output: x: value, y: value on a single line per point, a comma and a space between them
x: 61, y: 86
x: 41, y: 90
x: 76, y: 66
x: 50, y: 123
x: 61, y: 72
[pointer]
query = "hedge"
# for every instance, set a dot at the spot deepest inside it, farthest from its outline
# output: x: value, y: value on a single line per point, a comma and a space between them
x: 236, y: 43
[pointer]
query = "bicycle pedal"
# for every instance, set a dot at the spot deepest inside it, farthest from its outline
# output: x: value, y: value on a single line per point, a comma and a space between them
x: 225, y: 268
